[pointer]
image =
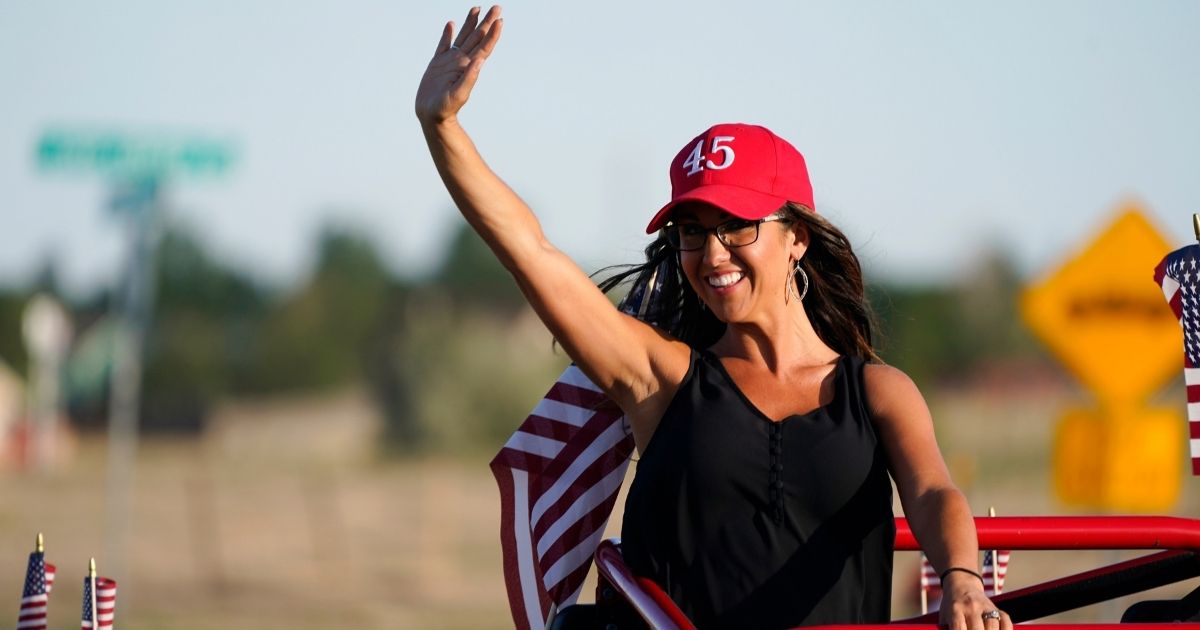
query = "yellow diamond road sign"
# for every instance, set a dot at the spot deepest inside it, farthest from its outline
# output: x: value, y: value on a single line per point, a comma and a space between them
x: 1103, y: 316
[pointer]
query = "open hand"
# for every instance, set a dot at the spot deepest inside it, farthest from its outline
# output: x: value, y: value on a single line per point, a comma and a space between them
x: 455, y: 66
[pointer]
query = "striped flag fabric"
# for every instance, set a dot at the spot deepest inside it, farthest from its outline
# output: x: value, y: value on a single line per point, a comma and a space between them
x: 100, y: 610
x: 995, y: 567
x: 559, y: 476
x: 931, y: 587
x: 1179, y: 278
x: 35, y: 599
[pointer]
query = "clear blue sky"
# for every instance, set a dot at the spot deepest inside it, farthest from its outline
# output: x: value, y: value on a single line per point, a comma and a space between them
x: 931, y: 128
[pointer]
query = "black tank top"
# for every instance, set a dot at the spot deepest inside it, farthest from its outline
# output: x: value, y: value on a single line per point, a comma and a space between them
x: 751, y: 523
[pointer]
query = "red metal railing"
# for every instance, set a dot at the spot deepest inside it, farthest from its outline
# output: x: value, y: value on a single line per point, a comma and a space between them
x: 654, y: 605
x: 1075, y: 532
x: 1180, y: 535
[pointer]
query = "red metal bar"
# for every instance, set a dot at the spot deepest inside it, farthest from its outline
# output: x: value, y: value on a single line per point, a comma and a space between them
x: 1087, y: 588
x: 1074, y: 532
x: 1001, y: 532
x: 1040, y: 626
x: 654, y: 606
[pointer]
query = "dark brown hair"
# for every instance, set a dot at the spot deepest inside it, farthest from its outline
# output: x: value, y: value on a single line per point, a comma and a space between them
x: 836, y: 303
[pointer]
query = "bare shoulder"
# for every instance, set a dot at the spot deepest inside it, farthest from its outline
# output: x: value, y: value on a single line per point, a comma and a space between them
x: 891, y: 394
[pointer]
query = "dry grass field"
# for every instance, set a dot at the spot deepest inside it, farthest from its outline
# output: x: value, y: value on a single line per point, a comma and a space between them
x: 283, y: 516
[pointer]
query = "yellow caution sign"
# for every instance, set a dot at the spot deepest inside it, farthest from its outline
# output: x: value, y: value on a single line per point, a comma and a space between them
x: 1104, y: 318
x: 1125, y: 461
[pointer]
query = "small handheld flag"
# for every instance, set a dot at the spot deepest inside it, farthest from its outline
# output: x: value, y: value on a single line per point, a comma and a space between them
x: 99, y: 600
x: 931, y: 587
x: 1179, y: 276
x: 995, y: 566
x: 35, y: 599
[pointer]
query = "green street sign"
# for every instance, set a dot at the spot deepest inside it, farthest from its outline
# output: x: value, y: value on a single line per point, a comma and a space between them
x: 125, y: 155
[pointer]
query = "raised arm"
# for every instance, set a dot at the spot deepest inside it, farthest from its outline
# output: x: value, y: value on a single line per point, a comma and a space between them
x: 626, y: 358
x: 936, y: 510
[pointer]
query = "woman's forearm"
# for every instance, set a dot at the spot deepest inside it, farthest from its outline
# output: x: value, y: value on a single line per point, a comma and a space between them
x: 942, y: 522
x: 492, y: 208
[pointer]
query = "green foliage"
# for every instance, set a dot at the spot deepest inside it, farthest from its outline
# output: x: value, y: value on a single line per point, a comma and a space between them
x: 195, y: 346
x: 920, y: 331
x: 478, y: 374
x: 12, y: 343
x: 471, y: 275
x: 189, y: 280
x: 942, y: 332
x: 315, y: 338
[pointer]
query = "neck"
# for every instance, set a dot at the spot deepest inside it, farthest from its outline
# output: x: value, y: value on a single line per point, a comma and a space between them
x: 779, y: 342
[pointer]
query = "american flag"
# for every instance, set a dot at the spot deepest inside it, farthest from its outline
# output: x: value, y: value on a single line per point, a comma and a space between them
x: 931, y: 587
x: 559, y: 475
x: 1179, y: 276
x: 994, y: 572
x: 35, y: 599
x: 106, y: 603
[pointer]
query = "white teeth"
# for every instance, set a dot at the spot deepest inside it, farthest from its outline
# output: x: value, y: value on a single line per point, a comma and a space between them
x: 725, y: 279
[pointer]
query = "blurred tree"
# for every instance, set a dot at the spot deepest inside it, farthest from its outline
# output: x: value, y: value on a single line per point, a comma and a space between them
x: 193, y: 347
x: 920, y: 332
x: 12, y: 343
x: 12, y: 314
x: 945, y: 331
x: 987, y: 299
x: 478, y: 375
x: 392, y: 378
x: 45, y: 279
x: 201, y: 340
x: 471, y: 275
x: 459, y: 348
x: 315, y: 338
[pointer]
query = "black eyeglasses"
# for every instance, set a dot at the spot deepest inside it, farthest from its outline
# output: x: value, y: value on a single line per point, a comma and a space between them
x: 687, y: 237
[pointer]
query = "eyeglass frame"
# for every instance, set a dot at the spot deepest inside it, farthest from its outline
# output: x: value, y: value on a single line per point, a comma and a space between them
x: 718, y: 231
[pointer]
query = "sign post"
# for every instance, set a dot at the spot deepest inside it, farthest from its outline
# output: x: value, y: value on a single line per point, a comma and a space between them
x: 1106, y: 323
x: 138, y: 166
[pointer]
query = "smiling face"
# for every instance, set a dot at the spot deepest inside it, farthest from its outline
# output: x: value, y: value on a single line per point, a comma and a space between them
x: 739, y: 284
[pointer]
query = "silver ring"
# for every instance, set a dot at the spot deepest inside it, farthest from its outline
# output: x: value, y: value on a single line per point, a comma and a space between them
x: 991, y: 614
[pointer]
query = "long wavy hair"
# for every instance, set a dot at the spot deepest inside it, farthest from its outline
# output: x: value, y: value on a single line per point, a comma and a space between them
x: 836, y: 302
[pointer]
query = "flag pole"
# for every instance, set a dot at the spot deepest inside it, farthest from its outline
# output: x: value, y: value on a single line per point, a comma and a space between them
x: 1196, y: 225
x: 92, y: 580
x: 995, y: 560
x: 41, y: 548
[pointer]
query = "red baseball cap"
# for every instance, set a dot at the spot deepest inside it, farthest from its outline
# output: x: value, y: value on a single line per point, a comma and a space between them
x: 742, y: 169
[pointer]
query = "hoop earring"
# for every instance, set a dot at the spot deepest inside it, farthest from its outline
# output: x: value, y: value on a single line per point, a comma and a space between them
x: 798, y: 294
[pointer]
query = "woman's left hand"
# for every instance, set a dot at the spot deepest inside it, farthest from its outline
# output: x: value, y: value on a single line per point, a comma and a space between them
x: 966, y: 607
x: 451, y: 74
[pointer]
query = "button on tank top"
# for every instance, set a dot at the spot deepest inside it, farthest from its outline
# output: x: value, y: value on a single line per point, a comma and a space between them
x: 750, y: 523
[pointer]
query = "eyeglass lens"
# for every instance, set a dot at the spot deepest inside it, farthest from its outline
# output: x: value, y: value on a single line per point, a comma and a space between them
x: 691, y: 236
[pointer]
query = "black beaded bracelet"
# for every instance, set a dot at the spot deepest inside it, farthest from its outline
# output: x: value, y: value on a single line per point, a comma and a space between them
x: 942, y: 577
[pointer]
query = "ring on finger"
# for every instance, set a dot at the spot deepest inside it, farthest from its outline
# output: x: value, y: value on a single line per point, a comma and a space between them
x: 991, y: 614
